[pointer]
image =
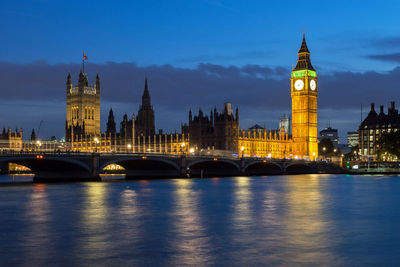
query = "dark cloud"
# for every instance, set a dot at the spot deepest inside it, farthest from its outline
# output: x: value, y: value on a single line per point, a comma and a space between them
x: 393, y: 57
x: 36, y: 91
x: 386, y: 42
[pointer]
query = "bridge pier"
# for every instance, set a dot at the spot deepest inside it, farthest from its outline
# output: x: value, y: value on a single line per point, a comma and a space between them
x: 4, y: 168
x: 183, y: 169
x: 242, y: 166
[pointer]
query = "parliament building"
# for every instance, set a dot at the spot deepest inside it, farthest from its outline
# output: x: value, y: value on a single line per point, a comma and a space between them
x: 216, y: 133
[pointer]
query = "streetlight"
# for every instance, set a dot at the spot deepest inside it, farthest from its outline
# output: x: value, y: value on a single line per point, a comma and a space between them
x: 183, y: 147
x: 129, y: 147
x: 96, y: 141
x: 313, y: 155
x: 242, y: 149
x: 191, y: 150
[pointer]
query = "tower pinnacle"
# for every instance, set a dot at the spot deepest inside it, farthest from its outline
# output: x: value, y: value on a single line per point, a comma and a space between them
x: 304, y: 61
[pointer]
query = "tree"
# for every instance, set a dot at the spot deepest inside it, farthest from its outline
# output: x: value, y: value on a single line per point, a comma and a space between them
x: 353, y: 154
x: 325, y: 147
x: 389, y: 145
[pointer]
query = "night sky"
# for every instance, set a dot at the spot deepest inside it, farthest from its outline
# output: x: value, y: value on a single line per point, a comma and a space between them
x: 196, y: 54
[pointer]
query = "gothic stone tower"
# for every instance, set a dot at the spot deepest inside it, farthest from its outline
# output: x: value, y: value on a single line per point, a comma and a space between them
x: 145, y: 119
x: 304, y: 92
x: 83, y: 108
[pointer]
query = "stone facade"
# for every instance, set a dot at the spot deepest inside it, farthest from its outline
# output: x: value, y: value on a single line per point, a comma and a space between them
x: 217, y: 131
x: 10, y: 140
x: 83, y: 109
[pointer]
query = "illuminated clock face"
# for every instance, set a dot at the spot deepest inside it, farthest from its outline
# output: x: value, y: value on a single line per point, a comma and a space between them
x: 299, y: 84
x: 313, y: 85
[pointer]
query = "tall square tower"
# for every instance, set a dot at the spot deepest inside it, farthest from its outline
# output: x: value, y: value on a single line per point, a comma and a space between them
x: 83, y: 108
x: 304, y: 92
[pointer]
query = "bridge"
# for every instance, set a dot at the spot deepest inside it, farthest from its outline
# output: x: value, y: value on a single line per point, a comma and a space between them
x: 89, y: 166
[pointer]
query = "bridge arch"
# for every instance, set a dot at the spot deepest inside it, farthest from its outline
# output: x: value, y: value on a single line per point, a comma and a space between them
x: 145, y: 167
x: 213, y: 167
x: 148, y: 159
x: 36, y: 164
x: 263, y: 168
x: 299, y: 168
x: 50, y: 168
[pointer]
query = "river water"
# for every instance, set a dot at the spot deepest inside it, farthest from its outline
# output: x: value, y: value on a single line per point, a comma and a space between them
x: 299, y: 220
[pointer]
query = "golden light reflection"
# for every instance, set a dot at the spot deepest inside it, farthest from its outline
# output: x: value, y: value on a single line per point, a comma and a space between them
x: 307, y: 231
x: 113, y: 167
x: 94, y: 219
x: 39, y: 211
x: 191, y: 239
x: 242, y: 211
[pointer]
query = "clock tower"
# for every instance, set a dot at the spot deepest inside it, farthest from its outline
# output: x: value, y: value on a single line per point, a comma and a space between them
x: 304, y: 92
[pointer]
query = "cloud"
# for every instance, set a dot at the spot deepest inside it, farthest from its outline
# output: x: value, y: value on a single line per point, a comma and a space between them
x: 393, y: 57
x: 36, y: 91
x: 386, y: 42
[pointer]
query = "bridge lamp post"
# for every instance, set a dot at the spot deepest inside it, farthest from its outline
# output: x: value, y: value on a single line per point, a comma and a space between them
x: 129, y: 147
x: 191, y: 150
x: 96, y: 141
x: 242, y: 149
x: 183, y: 147
x: 313, y: 155
x: 38, y: 144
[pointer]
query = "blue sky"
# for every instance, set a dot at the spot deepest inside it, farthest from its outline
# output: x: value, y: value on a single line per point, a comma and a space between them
x: 347, y: 39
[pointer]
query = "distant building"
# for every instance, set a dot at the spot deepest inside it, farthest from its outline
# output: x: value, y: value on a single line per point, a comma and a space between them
x: 144, y: 123
x: 372, y: 128
x: 330, y: 133
x: 217, y: 131
x: 352, y: 139
x: 285, y: 124
x: 11, y: 140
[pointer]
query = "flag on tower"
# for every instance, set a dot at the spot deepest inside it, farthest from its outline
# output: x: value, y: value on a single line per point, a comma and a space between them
x: 84, y: 56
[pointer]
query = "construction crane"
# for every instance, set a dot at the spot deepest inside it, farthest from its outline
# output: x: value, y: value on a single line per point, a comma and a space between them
x: 38, y: 131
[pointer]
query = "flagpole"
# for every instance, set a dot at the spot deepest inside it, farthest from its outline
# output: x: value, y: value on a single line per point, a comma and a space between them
x: 83, y: 62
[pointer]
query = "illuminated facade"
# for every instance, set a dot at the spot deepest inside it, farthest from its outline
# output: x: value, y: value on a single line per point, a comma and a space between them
x: 296, y: 136
x: 304, y: 92
x: 83, y: 109
x: 11, y: 140
x: 303, y: 142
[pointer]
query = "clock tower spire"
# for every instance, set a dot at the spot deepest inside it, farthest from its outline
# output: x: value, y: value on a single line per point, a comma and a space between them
x: 304, y: 94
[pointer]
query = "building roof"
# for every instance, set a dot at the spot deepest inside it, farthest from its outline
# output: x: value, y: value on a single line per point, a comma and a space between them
x: 256, y: 127
x: 374, y: 119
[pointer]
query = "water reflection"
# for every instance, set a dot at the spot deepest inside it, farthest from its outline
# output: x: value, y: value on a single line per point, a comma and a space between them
x: 306, y: 228
x: 96, y: 235
x: 242, y: 212
x: 130, y: 219
x: 38, y: 239
x: 191, y: 242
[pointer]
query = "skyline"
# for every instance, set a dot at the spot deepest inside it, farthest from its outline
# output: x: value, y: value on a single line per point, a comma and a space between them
x: 356, y: 64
